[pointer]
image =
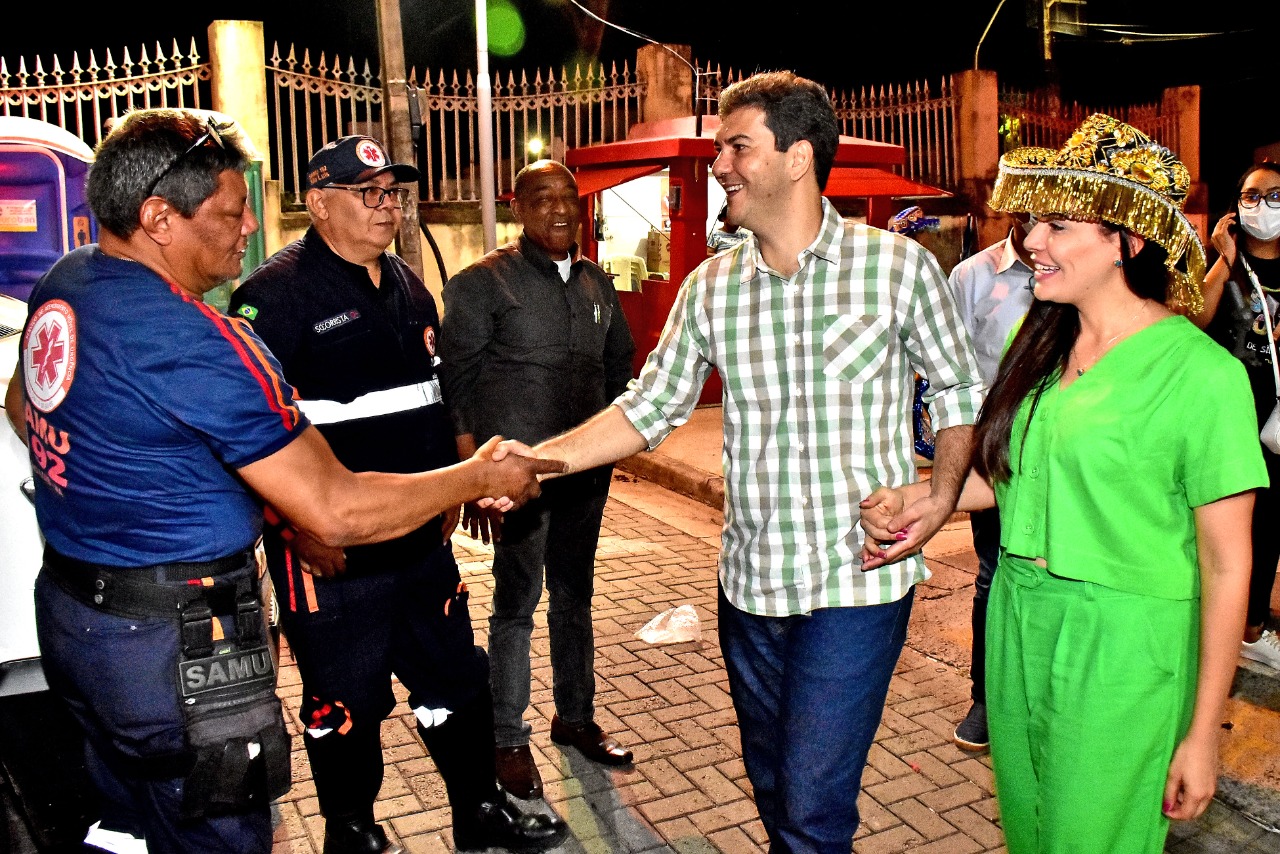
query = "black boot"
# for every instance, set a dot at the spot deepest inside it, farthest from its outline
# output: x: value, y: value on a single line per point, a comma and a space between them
x: 501, y: 824
x: 483, y: 817
x: 347, y: 769
x: 357, y: 836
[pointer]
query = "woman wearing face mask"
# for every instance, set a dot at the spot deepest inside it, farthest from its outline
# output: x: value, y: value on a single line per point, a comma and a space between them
x: 1249, y: 238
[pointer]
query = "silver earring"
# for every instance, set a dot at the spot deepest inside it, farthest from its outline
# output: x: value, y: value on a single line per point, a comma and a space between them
x: 1117, y: 263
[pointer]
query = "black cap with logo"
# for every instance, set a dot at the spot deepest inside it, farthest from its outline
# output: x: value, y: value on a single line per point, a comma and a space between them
x: 353, y: 160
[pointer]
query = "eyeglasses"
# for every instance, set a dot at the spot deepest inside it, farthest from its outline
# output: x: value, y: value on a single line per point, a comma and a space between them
x: 373, y: 196
x: 1250, y: 198
x: 211, y: 132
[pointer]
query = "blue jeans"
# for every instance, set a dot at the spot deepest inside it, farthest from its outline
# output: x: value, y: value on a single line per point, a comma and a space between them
x: 809, y: 691
x: 559, y: 531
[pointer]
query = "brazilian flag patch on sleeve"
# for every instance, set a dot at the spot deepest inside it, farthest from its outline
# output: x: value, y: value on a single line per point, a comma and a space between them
x: 248, y: 312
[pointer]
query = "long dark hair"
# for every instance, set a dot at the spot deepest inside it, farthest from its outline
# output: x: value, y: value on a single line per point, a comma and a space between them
x: 1040, y: 350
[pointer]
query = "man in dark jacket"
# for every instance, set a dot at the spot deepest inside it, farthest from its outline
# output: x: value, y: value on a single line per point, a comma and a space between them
x: 534, y: 342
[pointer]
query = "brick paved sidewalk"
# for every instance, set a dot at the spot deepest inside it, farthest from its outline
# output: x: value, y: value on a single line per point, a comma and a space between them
x: 688, y: 791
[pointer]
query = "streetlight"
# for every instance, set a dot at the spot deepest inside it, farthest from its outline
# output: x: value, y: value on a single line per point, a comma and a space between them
x: 484, y: 128
x: 983, y: 37
x: 534, y: 147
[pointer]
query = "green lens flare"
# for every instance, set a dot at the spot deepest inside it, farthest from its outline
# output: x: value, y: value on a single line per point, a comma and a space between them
x: 506, y: 29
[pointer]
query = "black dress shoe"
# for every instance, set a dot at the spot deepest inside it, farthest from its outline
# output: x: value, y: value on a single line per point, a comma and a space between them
x: 591, y: 741
x: 517, y: 772
x: 358, y: 836
x: 501, y: 824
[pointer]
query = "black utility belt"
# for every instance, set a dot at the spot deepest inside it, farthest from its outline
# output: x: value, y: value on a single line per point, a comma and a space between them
x: 148, y: 591
x: 237, y: 748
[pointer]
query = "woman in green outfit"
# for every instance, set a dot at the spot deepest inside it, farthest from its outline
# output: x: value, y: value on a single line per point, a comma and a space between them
x: 1120, y: 445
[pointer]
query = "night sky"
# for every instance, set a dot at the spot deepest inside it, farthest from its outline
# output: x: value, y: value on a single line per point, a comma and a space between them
x: 857, y: 44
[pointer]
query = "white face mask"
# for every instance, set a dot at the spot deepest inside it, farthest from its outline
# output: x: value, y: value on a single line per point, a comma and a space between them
x: 1261, y: 222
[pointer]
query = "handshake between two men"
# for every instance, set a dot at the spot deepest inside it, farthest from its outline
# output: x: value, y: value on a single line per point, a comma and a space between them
x: 501, y: 476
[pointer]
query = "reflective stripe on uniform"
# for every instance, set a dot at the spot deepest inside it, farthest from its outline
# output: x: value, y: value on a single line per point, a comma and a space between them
x: 375, y: 403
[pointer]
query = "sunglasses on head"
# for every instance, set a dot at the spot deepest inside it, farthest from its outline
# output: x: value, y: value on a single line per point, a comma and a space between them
x: 211, y: 133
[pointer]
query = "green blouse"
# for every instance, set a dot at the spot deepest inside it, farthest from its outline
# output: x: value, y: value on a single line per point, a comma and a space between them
x: 1105, y: 479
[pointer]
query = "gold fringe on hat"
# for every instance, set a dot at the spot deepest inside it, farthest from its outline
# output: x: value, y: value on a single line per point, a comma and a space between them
x: 1111, y: 172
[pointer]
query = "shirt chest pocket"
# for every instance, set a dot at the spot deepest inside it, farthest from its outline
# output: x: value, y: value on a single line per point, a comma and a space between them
x: 594, y: 326
x: 348, y: 350
x: 854, y: 348
x: 344, y: 336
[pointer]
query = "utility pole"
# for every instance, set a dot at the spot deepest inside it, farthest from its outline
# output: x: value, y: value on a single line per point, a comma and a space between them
x: 395, y: 119
x: 1046, y: 32
x: 1060, y: 23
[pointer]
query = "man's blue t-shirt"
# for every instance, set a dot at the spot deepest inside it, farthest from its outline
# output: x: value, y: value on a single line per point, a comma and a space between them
x: 141, y: 403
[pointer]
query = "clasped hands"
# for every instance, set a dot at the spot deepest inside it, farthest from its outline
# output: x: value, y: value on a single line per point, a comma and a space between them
x: 898, y: 521
x: 517, y: 473
x: 482, y: 519
x: 511, y: 474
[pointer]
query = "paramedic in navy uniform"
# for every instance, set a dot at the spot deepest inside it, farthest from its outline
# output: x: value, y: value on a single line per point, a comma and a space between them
x: 150, y: 418
x: 354, y: 330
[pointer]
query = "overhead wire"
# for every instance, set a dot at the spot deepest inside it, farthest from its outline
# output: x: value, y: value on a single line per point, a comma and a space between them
x: 638, y: 35
x: 697, y: 75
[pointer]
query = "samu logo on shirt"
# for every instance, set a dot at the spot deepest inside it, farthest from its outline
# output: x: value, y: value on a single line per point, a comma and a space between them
x: 49, y: 354
x: 336, y: 321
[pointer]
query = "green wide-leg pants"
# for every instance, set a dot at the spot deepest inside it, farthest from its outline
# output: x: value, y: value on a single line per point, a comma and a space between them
x: 1089, y: 690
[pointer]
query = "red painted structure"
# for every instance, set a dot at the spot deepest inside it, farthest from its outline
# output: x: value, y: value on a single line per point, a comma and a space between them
x: 861, y: 170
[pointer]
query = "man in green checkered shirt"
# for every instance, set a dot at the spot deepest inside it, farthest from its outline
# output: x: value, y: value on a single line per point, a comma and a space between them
x: 816, y: 327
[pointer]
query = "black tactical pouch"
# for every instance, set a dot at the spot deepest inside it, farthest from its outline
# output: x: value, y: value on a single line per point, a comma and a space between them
x: 235, y: 725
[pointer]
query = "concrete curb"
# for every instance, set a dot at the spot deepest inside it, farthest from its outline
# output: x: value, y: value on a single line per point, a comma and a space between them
x: 677, y: 476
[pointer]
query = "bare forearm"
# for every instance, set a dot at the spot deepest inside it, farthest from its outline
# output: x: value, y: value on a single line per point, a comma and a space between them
x: 378, y: 506
x: 605, y: 438
x: 1225, y: 566
x: 13, y: 403
x: 976, y: 495
x: 953, y: 448
x: 307, y: 484
x: 1211, y: 289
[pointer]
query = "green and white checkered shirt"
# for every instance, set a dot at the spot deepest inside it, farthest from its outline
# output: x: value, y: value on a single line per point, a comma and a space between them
x: 818, y: 378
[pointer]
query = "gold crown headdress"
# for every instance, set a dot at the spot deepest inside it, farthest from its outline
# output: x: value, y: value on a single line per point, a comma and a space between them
x: 1109, y: 171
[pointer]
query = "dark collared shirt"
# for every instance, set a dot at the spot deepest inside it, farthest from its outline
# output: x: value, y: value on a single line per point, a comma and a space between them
x: 363, y: 360
x: 525, y: 354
